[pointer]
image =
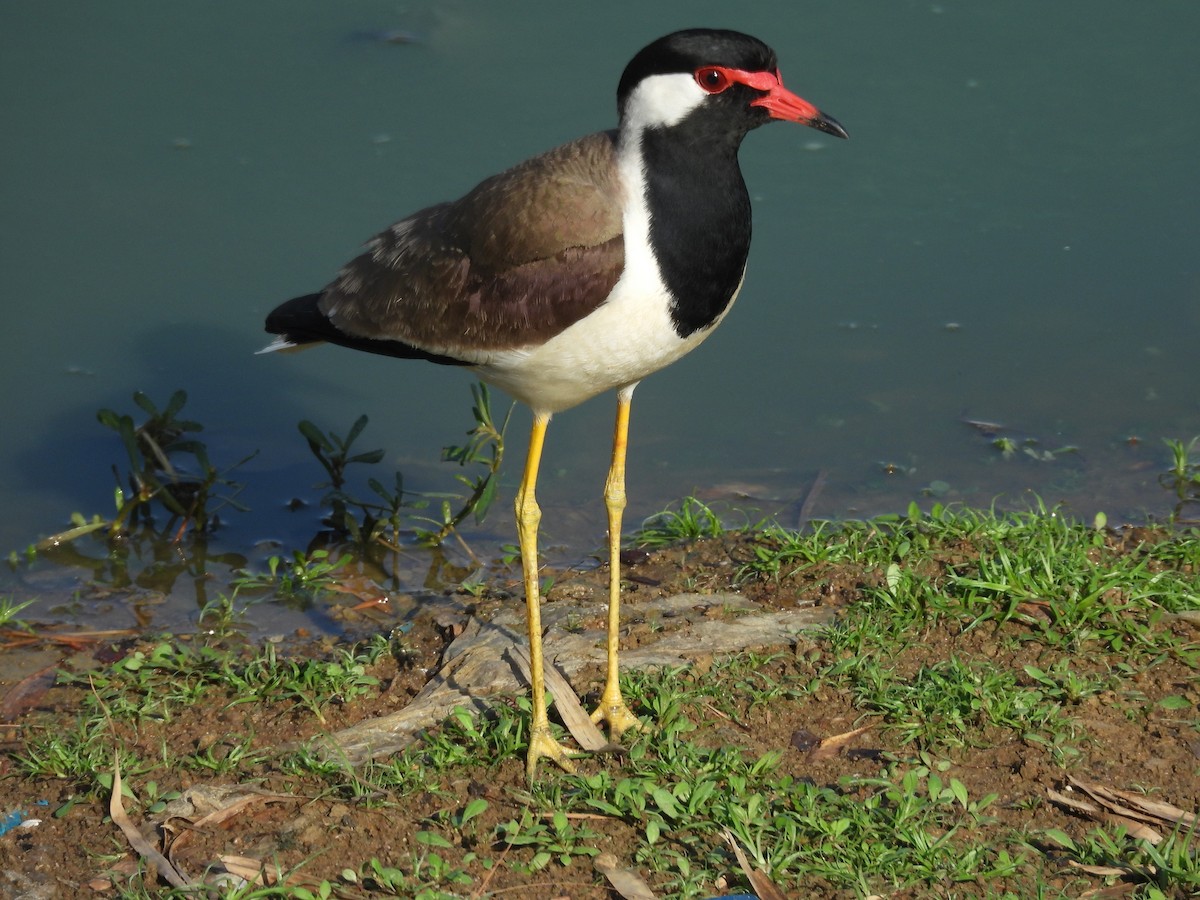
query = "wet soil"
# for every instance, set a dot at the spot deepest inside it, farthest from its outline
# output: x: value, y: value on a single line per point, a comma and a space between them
x: 294, y: 823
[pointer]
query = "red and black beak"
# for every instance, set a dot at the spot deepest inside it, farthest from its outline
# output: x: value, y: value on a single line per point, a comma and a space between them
x: 782, y: 103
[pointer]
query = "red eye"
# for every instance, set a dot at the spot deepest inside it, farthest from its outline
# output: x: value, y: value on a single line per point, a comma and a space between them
x: 712, y: 79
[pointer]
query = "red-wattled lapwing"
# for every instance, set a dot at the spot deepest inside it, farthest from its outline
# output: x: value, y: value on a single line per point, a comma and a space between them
x: 576, y: 272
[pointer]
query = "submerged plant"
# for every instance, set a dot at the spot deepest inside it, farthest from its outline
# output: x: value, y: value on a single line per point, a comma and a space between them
x: 363, y: 521
x: 1183, y: 478
x: 485, y: 446
x: 367, y: 522
x: 157, y: 450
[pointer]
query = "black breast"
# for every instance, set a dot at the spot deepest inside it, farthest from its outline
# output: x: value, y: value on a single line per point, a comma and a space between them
x: 699, y: 221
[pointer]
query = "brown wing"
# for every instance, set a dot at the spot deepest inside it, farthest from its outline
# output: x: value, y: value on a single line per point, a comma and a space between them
x: 525, y: 254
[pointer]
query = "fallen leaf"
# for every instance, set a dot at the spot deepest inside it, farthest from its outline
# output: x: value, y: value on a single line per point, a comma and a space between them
x: 763, y: 886
x: 1110, y: 893
x: 834, y: 744
x: 361, y: 586
x: 244, y: 867
x: 1135, y: 812
x: 566, y: 701
x: 213, y: 806
x: 1074, y: 804
x: 236, y: 806
x: 626, y: 882
x: 27, y: 692
x: 1101, y: 871
x: 717, y: 714
x: 1136, y: 804
x: 148, y: 852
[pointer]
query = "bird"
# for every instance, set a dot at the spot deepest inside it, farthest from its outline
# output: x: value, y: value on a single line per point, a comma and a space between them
x: 577, y: 272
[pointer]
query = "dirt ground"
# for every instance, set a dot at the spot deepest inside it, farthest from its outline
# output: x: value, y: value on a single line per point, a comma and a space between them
x: 76, y: 855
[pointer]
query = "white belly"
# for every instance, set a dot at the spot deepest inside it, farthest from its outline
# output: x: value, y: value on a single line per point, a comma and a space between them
x: 618, y: 345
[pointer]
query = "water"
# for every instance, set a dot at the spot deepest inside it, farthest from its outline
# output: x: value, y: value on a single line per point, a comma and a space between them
x: 1009, y: 235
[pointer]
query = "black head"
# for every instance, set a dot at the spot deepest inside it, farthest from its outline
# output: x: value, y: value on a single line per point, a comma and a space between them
x: 686, y: 51
x: 702, y: 69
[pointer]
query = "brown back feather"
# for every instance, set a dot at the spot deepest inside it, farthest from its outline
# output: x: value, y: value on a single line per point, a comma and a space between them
x: 521, y: 257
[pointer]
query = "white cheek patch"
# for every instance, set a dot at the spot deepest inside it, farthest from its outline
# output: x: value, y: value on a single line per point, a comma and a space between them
x: 662, y: 100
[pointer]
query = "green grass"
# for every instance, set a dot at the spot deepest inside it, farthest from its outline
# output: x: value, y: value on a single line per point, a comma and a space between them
x: 1073, y: 615
x: 692, y: 521
x: 8, y: 613
x: 160, y: 684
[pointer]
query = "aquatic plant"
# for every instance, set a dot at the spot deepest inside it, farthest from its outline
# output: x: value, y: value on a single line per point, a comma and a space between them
x: 168, y: 467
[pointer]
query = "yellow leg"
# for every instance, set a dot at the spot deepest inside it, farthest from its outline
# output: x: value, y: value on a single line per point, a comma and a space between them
x: 612, y: 708
x: 529, y: 516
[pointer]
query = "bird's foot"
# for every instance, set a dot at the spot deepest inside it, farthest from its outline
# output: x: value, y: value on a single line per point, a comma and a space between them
x: 616, y: 713
x: 542, y: 745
